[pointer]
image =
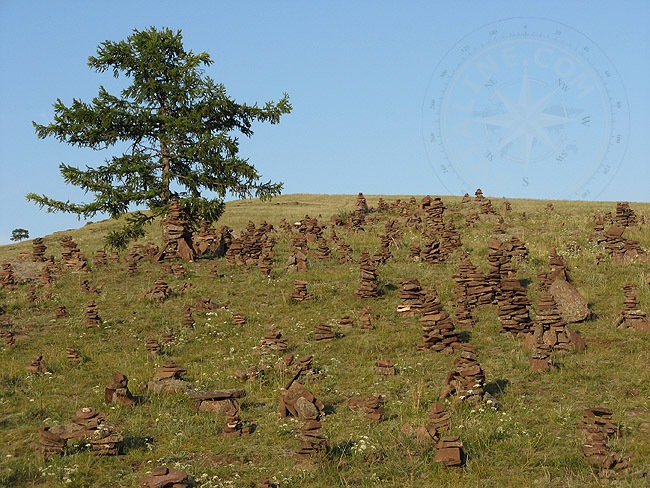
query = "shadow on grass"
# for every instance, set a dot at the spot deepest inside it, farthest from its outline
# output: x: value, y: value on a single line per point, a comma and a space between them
x: 465, y: 336
x: 133, y: 443
x: 497, y: 388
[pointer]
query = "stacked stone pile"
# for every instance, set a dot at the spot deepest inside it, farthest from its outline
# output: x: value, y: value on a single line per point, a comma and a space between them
x: 8, y: 337
x: 431, y: 253
x: 597, y: 428
x: 512, y: 307
x: 323, y: 333
x: 412, y: 296
x: 466, y: 198
x: 559, y: 268
x: 550, y: 328
x: 506, y: 206
x: 117, y: 390
x: 382, y: 206
x: 60, y: 312
x: 188, y: 319
x: 449, y: 451
x: 273, y: 342
x: 467, y: 380
x: 206, y: 240
x: 71, y: 257
x: 152, y: 345
x: 291, y: 404
x: 217, y: 401
x: 631, y: 316
x: 384, y: 367
x: 361, y: 205
x: 163, y: 477
x: 323, y: 252
x: 7, y: 276
x: 487, y: 208
x: 300, y: 293
x: 345, y: 252
x: 498, y: 264
x: 310, y: 229
x: 205, y: 304
x: 449, y: 239
x: 73, y: 355
x: 38, y: 250
x: 160, y: 291
x: 365, y: 317
x: 31, y: 294
x: 383, y: 255
x: 45, y: 276
x: 346, y: 322
x: 472, y: 285
x: 625, y: 216
x: 234, y: 426
x: 463, y: 314
x: 100, y: 258
x: 414, y: 251
x: 238, y: 318
x: 478, y: 195
x: 437, y: 328
x: 92, y: 315
x: 372, y: 406
x: 438, y: 420
x: 515, y: 248
x: 368, y: 288
x: 620, y: 247
x: 36, y: 365
x: 168, y: 379
x: 541, y: 359
x: 177, y: 236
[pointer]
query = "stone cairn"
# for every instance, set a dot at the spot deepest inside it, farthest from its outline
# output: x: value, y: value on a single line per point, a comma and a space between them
x: 414, y: 251
x: 411, y: 295
x: 206, y: 240
x: 323, y: 252
x: 621, y: 248
x: 234, y: 426
x: 499, y: 266
x: 384, y: 367
x: 244, y: 375
x: 431, y: 252
x: 71, y: 257
x: 60, y: 312
x: 361, y: 205
x: 300, y: 293
x: 463, y: 314
x: 273, y: 342
x: 372, y: 406
x: 515, y: 248
x: 368, y: 288
x: 92, y: 315
x: 31, y: 294
x: 117, y: 390
x: 467, y: 380
x: 297, y: 261
x: 438, y: 420
x: 559, y: 268
x: 541, y: 359
x: 549, y: 327
x: 204, y: 304
x: 87, y: 423
x: 8, y: 337
x: 437, y: 328
x: 625, y: 216
x: 466, y: 198
x: 177, y: 236
x: 7, y: 276
x: 46, y: 276
x: 512, y: 307
x: 152, y: 345
x: 132, y: 267
x: 163, y: 477
x: 487, y: 208
x: 188, y: 319
x: 38, y: 250
x: 631, y: 316
x: 168, y: 379
x: 100, y: 258
x: 478, y: 195
x: 299, y: 366
x: 365, y: 317
x: 217, y: 401
x: 472, y: 285
x: 160, y: 291
x: 382, y: 206
x: 36, y: 365
x: 323, y: 333
x: 346, y: 322
x: 86, y: 287
x: 238, y: 318
x: 449, y: 451
x: 345, y: 252
x: 506, y: 206
x: 597, y: 428
x: 73, y: 355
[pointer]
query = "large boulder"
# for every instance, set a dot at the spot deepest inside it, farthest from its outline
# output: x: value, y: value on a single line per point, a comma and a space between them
x: 572, y: 306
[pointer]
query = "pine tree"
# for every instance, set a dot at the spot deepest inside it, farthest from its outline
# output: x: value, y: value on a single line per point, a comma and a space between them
x: 180, y: 128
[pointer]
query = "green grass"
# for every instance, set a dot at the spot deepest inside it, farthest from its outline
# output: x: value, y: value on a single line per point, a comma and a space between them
x: 533, y: 439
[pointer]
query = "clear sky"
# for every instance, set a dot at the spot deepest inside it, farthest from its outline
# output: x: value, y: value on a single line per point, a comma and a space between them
x: 524, y: 99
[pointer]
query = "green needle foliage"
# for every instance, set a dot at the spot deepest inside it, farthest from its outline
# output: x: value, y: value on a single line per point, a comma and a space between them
x: 180, y: 129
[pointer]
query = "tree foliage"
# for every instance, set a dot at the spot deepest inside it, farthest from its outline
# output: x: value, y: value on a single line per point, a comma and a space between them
x: 181, y: 129
x: 19, y: 234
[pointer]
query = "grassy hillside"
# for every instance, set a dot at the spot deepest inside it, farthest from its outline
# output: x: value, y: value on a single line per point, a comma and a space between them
x: 533, y: 438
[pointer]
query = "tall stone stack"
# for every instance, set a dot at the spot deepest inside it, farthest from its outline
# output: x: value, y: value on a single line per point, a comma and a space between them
x: 38, y: 250
x: 117, y: 390
x: 437, y: 328
x: 598, y: 427
x: 7, y: 275
x: 160, y: 291
x: 625, y: 216
x: 515, y: 248
x: 486, y: 207
x: 345, y: 252
x: 472, y: 285
x: 365, y: 317
x: 311, y: 229
x: 478, y: 195
x: 631, y: 316
x: 384, y: 255
x: 361, y: 205
x: 431, y: 253
x: 498, y: 264
x: 434, y: 210
x: 177, y: 236
x: 300, y: 293
x: 549, y: 326
x: 188, y: 319
x: 466, y: 381
x: 368, y: 271
x: 412, y: 296
x: 463, y: 314
x: 512, y: 307
x: 559, y: 268
x: 46, y: 276
x: 71, y: 257
x: 414, y: 251
x: 449, y: 451
x: 92, y: 315
x: 382, y: 206
x: 506, y: 206
x: 393, y: 231
x: 449, y: 239
x: 297, y: 261
x: 323, y: 252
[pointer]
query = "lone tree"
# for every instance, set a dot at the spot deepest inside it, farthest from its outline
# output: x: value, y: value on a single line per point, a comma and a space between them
x: 19, y: 235
x: 180, y: 129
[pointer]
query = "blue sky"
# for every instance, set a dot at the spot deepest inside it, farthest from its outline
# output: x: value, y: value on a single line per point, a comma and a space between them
x: 362, y: 77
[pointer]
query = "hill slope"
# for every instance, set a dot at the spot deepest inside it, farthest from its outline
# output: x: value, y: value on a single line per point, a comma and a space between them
x: 533, y: 438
